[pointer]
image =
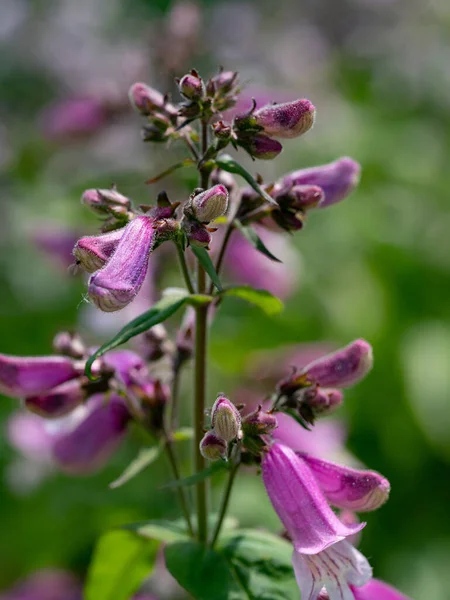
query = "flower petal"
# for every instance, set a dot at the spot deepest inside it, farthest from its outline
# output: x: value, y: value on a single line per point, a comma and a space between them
x: 377, y: 590
x: 93, y: 251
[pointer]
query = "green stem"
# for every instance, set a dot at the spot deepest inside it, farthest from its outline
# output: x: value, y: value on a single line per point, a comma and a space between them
x: 222, y: 251
x: 176, y: 473
x: 184, y: 269
x: 224, y: 506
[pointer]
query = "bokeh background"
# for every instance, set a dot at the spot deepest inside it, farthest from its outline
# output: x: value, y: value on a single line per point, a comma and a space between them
x: 376, y: 266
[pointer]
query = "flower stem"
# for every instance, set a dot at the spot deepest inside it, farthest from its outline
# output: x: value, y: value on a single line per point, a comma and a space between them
x: 222, y: 251
x: 184, y: 269
x: 224, y: 506
x: 176, y: 473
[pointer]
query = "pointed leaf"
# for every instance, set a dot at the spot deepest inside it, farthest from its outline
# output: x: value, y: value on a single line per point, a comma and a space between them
x: 161, y: 311
x: 145, y: 458
x: 227, y: 163
x: 204, y: 259
x: 263, y: 299
x: 215, y: 467
x: 250, y: 235
x: 160, y: 530
x: 121, y: 562
x: 187, y: 162
x: 183, y: 434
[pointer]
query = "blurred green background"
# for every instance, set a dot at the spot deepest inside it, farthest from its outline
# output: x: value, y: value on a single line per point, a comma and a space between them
x: 376, y: 266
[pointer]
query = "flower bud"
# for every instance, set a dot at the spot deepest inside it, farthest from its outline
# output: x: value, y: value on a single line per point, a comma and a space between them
x: 210, y: 204
x: 222, y: 131
x: 58, y: 402
x: 145, y: 99
x: 92, y: 252
x: 262, y: 147
x: 224, y: 81
x: 213, y: 447
x: 304, y: 197
x: 26, y: 376
x: 69, y: 344
x: 116, y: 284
x: 101, y: 201
x: 288, y: 120
x: 197, y: 234
x: 191, y: 86
x: 225, y: 419
x: 343, y: 368
x: 259, y: 422
x: 321, y: 401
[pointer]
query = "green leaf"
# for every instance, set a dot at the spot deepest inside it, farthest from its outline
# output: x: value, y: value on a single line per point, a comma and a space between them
x: 215, y: 467
x: 187, y: 162
x: 160, y: 530
x: 262, y: 564
x: 145, y: 458
x: 250, y: 235
x: 263, y: 299
x: 227, y: 163
x: 183, y: 434
x: 161, y: 311
x: 121, y: 562
x: 205, y: 260
x: 204, y: 573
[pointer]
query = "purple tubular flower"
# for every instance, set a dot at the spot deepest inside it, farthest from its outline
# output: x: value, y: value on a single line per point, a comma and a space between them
x: 92, y: 252
x: 288, y: 120
x: 322, y: 557
x: 46, y: 584
x: 117, y: 284
x: 337, y: 179
x: 342, y: 368
x: 88, y: 446
x: 27, y: 376
x: 58, y: 401
x: 299, y: 503
x: 263, y: 147
x: 377, y: 590
x: 344, y: 487
x: 145, y: 99
x: 125, y: 363
x: 212, y: 446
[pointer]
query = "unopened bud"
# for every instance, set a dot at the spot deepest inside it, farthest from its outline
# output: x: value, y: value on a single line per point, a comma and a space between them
x: 314, y: 402
x: 192, y: 86
x: 224, y: 81
x: 101, y: 201
x: 93, y: 251
x: 343, y: 368
x: 69, y: 344
x: 262, y: 147
x: 259, y: 422
x: 145, y: 99
x: 210, y: 204
x: 225, y: 419
x: 222, y: 131
x: 196, y: 233
x: 288, y: 120
x: 213, y: 447
x: 306, y: 196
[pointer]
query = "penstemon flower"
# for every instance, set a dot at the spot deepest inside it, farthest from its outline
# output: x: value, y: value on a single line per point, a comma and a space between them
x: 82, y: 401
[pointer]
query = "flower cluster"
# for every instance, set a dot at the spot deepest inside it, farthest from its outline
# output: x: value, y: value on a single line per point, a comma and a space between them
x: 91, y: 395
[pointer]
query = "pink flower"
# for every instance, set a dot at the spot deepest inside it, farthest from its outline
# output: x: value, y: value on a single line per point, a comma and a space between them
x: 377, y: 590
x: 322, y: 557
x: 74, y: 117
x: 287, y: 120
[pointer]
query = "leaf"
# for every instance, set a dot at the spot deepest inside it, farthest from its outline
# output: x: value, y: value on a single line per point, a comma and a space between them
x: 227, y: 163
x: 262, y: 564
x: 215, y: 467
x: 161, y: 311
x: 204, y: 573
x: 250, y: 235
x: 263, y: 299
x: 183, y: 434
x: 205, y: 260
x: 145, y: 458
x: 121, y: 562
x: 160, y: 530
x: 297, y: 417
x: 184, y: 163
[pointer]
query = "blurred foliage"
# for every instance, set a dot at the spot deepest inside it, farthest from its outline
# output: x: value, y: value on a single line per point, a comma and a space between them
x: 375, y: 266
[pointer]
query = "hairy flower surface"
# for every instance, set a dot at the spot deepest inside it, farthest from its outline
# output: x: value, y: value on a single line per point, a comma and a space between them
x: 118, y: 282
x: 288, y: 120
